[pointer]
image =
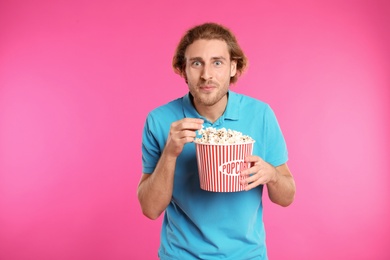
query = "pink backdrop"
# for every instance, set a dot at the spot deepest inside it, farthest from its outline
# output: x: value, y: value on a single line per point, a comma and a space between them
x: 77, y: 79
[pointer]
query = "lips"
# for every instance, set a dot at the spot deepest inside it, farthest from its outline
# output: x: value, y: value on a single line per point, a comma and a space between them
x: 208, y: 87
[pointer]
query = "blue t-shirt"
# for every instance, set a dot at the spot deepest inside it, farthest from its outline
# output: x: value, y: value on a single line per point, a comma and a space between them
x: 200, y: 224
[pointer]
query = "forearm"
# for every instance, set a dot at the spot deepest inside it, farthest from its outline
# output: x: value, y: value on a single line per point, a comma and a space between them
x: 282, y: 190
x: 155, y: 191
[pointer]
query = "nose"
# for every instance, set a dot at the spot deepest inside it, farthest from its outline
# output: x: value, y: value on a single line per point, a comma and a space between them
x: 206, y: 72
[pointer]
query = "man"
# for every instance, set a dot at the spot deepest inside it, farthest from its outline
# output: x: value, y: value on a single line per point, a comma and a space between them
x: 199, y: 224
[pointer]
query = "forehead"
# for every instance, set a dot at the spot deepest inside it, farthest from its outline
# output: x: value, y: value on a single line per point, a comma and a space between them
x: 207, y: 49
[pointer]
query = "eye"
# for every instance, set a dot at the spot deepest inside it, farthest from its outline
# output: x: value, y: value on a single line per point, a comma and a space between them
x: 218, y: 63
x: 196, y: 64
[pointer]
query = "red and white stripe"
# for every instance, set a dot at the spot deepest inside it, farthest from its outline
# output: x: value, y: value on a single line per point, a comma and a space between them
x: 210, y: 157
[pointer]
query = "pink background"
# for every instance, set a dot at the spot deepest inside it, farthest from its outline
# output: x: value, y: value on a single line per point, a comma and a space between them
x: 77, y: 79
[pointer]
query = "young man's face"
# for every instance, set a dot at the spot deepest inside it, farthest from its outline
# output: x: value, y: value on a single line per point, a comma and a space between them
x: 208, y: 71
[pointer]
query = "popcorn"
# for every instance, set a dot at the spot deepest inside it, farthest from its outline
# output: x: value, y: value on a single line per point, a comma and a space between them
x: 221, y: 158
x: 211, y: 135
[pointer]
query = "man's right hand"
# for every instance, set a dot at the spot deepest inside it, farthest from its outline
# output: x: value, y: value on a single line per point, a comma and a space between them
x: 181, y: 132
x: 155, y: 190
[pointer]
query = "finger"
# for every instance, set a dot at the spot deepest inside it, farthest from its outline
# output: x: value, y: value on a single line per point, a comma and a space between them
x: 246, y: 172
x: 194, y: 123
x: 188, y: 126
x: 253, y: 159
x: 186, y: 134
x: 250, y: 186
x: 193, y: 120
x: 253, y: 182
x: 253, y: 177
x: 252, y: 168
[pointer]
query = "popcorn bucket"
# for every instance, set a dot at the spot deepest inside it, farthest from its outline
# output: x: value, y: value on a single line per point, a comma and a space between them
x: 220, y: 165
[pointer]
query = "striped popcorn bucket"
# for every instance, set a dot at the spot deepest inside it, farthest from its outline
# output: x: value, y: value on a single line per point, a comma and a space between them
x: 220, y: 165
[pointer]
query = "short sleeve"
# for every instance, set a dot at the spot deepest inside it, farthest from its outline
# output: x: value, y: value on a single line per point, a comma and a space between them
x: 276, y: 149
x: 150, y: 147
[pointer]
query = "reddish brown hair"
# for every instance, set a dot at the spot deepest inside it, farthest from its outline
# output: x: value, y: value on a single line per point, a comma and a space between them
x: 210, y: 31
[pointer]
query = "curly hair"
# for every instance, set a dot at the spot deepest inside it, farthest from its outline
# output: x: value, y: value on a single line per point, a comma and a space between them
x: 210, y: 31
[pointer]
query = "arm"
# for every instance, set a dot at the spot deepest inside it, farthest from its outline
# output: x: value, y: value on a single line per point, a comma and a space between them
x: 155, y: 190
x: 279, y: 180
x: 282, y: 189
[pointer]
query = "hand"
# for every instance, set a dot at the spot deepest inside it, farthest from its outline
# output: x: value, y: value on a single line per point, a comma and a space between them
x: 181, y: 132
x: 259, y: 173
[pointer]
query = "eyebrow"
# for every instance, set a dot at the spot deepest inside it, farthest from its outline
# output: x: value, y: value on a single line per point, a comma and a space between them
x: 212, y: 58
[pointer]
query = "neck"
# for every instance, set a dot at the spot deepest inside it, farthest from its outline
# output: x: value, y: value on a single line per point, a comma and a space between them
x: 212, y: 112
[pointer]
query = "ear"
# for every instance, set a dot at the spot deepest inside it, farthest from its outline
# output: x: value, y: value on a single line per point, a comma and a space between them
x: 233, y: 68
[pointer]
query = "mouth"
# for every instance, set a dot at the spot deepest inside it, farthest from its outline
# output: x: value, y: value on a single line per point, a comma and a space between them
x: 207, y: 87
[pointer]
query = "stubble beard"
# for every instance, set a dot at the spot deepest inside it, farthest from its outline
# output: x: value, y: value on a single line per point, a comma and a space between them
x: 209, y: 99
